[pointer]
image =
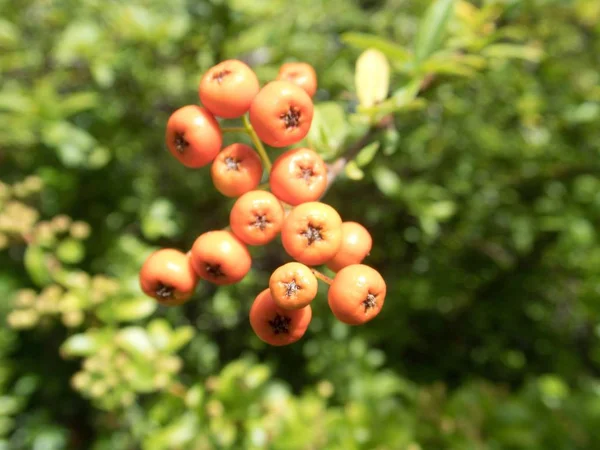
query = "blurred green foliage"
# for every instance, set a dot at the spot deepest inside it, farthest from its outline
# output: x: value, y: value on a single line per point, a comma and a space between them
x: 482, y: 195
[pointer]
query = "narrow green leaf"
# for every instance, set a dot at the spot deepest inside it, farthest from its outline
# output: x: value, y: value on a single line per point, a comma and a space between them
x: 364, y: 41
x: 447, y: 68
x: 366, y: 155
x: 507, y: 51
x: 432, y: 28
x: 353, y: 171
x: 441, y: 210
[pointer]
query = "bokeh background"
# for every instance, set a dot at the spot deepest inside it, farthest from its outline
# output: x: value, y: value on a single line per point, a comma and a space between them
x: 483, y: 200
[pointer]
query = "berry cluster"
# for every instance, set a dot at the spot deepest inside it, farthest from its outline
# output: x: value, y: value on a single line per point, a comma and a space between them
x: 312, y: 232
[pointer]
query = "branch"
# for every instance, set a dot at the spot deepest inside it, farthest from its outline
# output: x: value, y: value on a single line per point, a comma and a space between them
x: 337, y: 167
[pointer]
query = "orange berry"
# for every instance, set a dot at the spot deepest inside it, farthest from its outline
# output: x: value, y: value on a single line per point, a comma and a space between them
x: 281, y: 113
x: 193, y: 136
x: 357, y: 294
x: 168, y: 277
x: 356, y: 245
x: 298, y: 176
x: 228, y: 88
x: 236, y: 169
x: 220, y: 257
x: 275, y: 325
x: 312, y: 233
x: 293, y: 286
x: 256, y: 217
x: 301, y: 74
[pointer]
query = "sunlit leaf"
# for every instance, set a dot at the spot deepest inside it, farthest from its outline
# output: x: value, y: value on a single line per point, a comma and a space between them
x: 126, y: 310
x: 372, y: 77
x: 136, y: 341
x: 83, y: 344
x: 37, y: 262
x: 387, y: 181
x: 353, y: 171
x: 70, y: 251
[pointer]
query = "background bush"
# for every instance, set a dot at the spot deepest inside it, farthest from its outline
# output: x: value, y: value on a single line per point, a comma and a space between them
x: 483, y: 201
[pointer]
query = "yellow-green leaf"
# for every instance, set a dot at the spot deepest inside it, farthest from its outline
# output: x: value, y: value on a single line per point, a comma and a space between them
x: 432, y: 28
x: 367, y: 153
x: 353, y: 171
x: 526, y: 52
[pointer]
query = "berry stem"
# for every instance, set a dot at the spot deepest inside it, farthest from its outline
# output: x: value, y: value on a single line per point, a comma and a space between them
x: 263, y: 187
x: 321, y: 276
x: 257, y: 143
x: 234, y: 129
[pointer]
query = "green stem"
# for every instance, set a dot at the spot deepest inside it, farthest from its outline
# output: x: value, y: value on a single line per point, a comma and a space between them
x: 257, y: 143
x: 263, y: 186
x: 234, y: 130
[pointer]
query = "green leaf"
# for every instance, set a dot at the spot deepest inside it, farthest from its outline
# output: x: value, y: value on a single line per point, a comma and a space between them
x: 401, y: 99
x: 387, y: 181
x: 353, y: 171
x: 372, y: 77
x: 441, y: 210
x: 365, y: 41
x: 9, y: 405
x: 367, y: 153
x: 160, y: 332
x: 70, y: 251
x: 9, y: 34
x: 508, y: 51
x: 180, y: 337
x: 447, y: 68
x: 78, y: 102
x: 72, y: 143
x: 37, y: 265
x: 136, y: 341
x: 159, y: 220
x: 432, y: 28
x: 83, y: 344
x: 15, y: 101
x: 177, y: 434
x: 126, y: 310
x: 329, y: 128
